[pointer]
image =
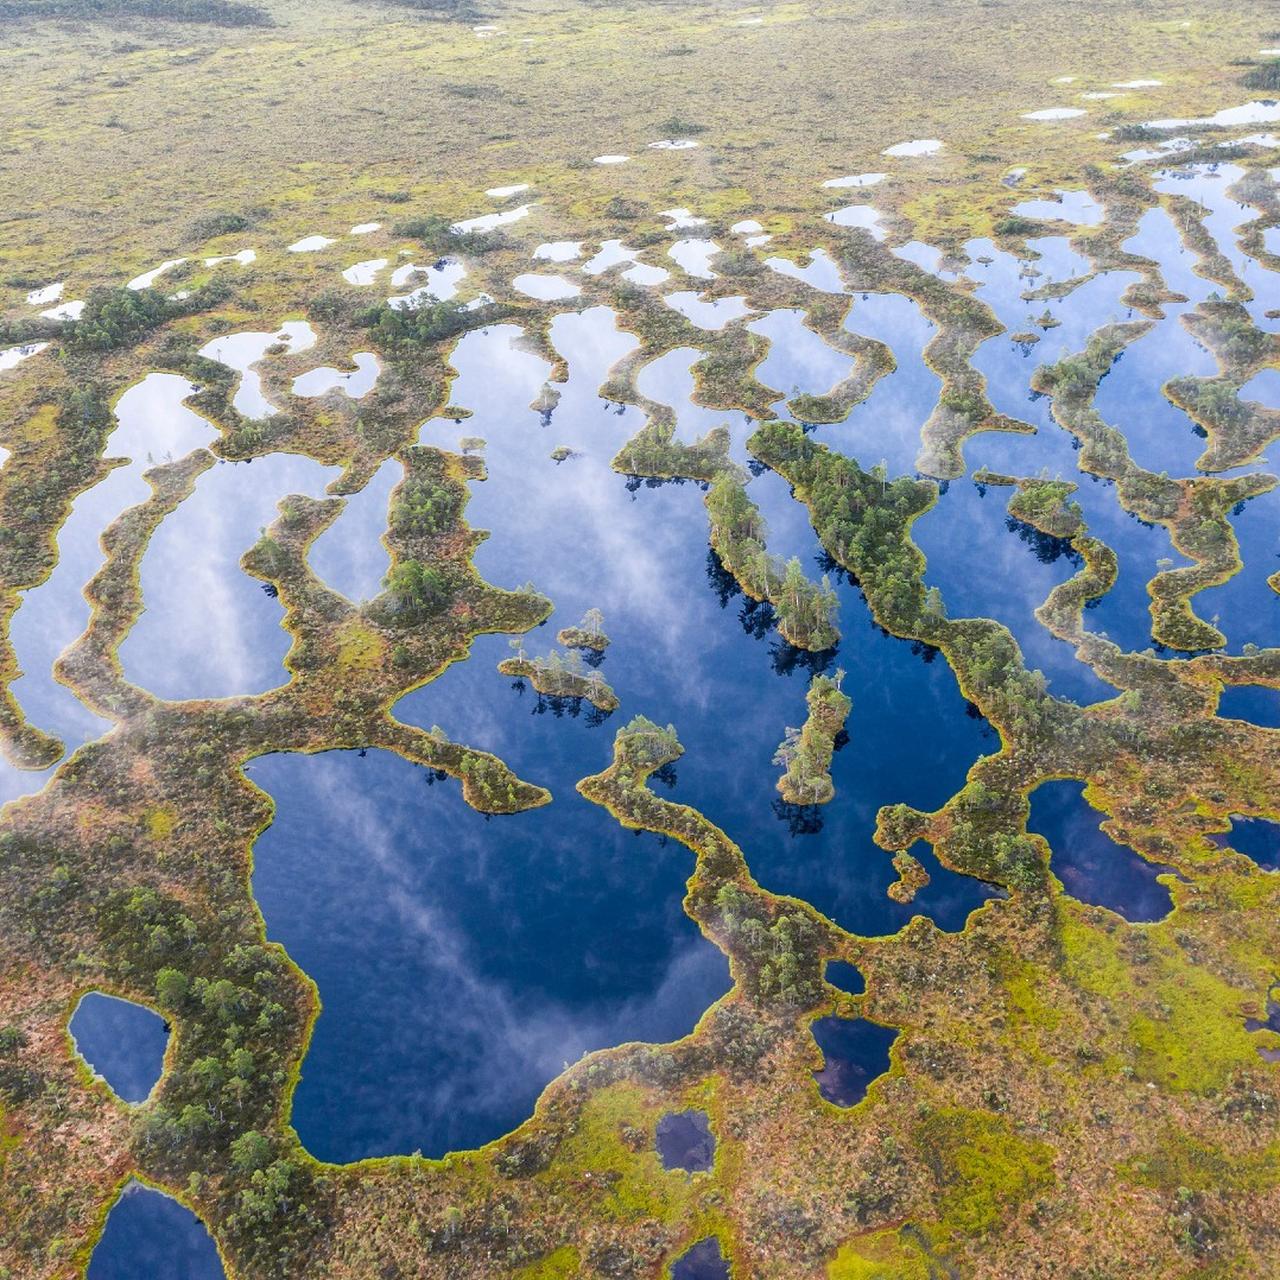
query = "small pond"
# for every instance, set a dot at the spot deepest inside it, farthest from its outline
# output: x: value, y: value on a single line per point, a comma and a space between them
x: 855, y: 1051
x: 349, y: 554
x: 845, y: 977
x: 886, y: 425
x: 685, y: 1141
x: 1256, y: 838
x: 150, y: 1236
x: 1252, y: 702
x: 154, y: 426
x: 703, y: 1261
x: 209, y: 630
x: 120, y: 1041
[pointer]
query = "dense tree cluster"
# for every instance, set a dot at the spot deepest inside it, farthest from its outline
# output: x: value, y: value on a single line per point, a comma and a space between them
x: 805, y: 754
x: 448, y: 10
x: 654, y: 451
x: 417, y: 590
x: 424, y: 504
x: 780, y: 955
x: 114, y: 318
x: 805, y: 610
x: 407, y: 328
x: 209, y: 226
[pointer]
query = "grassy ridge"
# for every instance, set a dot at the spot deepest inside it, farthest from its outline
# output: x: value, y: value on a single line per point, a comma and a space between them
x: 218, y: 13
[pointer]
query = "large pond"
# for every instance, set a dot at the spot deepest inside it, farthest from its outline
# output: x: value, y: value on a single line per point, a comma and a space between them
x: 469, y: 958
x: 686, y: 648
x: 376, y: 881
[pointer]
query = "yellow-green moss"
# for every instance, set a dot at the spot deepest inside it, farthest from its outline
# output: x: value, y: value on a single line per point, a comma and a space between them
x: 981, y: 1168
x: 1181, y: 1160
x: 643, y: 1188
x: 560, y: 1265
x: 160, y: 823
x: 882, y: 1256
x: 359, y: 646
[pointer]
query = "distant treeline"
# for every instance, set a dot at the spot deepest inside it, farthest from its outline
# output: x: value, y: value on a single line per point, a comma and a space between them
x: 222, y: 13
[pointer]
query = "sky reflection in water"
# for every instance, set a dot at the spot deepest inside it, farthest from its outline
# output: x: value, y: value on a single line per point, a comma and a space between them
x: 376, y: 881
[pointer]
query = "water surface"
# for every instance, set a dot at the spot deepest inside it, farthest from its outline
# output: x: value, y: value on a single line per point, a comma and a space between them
x: 1092, y: 866
x: 1253, y: 702
x: 703, y: 1261
x: 121, y: 1041
x: 846, y: 977
x: 154, y: 426
x: 349, y: 555
x: 970, y: 526
x: 855, y: 1052
x: 1246, y: 607
x: 150, y: 1236
x: 687, y: 648
x: 500, y: 950
x: 685, y: 1141
x: 1256, y: 838
x: 209, y: 630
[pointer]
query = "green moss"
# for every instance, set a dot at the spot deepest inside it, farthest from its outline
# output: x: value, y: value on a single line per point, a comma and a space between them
x: 359, y: 646
x: 160, y: 823
x: 639, y: 1187
x: 8, y: 1141
x: 560, y: 1265
x: 1033, y: 1017
x: 981, y: 1168
x: 1187, y: 1032
x: 886, y: 1255
x: 1092, y: 956
x: 1200, y: 1042
x: 1180, y: 1159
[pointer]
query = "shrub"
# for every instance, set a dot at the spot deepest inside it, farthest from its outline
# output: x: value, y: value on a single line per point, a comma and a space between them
x: 1266, y: 76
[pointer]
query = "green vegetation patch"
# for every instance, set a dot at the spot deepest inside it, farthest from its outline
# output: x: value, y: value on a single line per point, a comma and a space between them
x: 885, y: 1255
x: 981, y: 1167
x: 1188, y: 1034
x: 120, y: 317
x: 1180, y: 1159
x: 805, y: 753
x: 560, y: 1265
x: 614, y: 1139
x: 1266, y: 76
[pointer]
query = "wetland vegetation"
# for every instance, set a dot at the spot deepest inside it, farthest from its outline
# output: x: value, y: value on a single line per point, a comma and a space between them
x: 351, y: 928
